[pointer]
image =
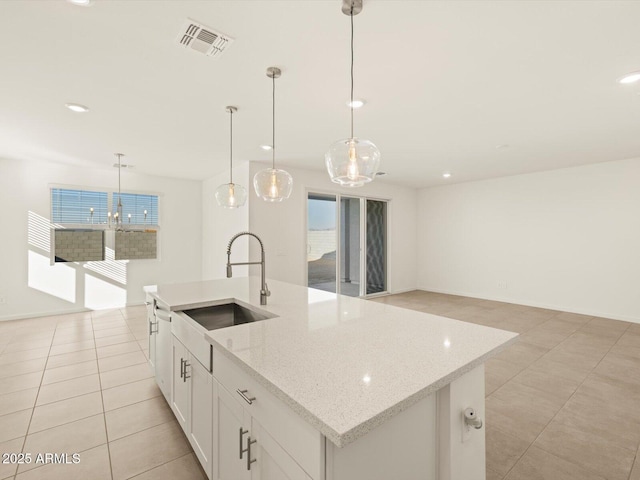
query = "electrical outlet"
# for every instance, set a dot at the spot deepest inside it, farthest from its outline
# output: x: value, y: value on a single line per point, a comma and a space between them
x: 3, y: 300
x: 502, y: 284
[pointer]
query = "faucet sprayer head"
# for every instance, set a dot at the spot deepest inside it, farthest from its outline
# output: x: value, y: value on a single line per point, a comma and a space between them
x: 229, y: 271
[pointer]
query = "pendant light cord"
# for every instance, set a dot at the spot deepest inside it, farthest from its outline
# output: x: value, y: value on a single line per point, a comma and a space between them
x: 119, y: 174
x: 119, y: 206
x: 231, y: 146
x: 351, y: 104
x: 273, y: 130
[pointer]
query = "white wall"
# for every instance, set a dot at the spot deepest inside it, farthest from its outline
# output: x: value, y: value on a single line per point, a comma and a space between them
x: 282, y: 227
x: 566, y: 239
x: 31, y: 287
x: 220, y: 224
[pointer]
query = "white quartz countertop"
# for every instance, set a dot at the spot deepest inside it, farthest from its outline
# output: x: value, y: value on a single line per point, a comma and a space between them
x: 343, y: 364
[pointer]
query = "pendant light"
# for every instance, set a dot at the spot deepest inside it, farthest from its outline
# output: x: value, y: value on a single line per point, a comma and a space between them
x: 272, y: 184
x: 354, y: 161
x: 118, y: 213
x: 230, y: 195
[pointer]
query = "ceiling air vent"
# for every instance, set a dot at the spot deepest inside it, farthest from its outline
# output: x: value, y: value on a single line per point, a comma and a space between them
x: 203, y: 39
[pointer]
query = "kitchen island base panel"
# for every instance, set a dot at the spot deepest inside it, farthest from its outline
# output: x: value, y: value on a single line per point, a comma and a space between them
x: 461, y: 449
x: 403, y: 447
x: 428, y: 441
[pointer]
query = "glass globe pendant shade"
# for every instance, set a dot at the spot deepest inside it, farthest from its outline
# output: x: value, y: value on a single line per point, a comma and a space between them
x: 352, y: 162
x: 273, y: 185
x: 231, y: 195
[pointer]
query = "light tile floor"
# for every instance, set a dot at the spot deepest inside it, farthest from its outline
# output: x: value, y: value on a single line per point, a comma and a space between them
x: 562, y: 402
x: 80, y: 383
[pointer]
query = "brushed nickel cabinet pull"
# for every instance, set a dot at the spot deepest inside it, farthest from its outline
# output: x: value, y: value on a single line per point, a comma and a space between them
x: 181, y: 368
x: 249, y: 461
x: 243, y: 394
x: 186, y: 364
x: 242, y: 434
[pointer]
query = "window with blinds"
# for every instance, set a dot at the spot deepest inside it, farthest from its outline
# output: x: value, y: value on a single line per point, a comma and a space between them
x: 86, y: 207
x: 78, y: 206
x: 138, y: 209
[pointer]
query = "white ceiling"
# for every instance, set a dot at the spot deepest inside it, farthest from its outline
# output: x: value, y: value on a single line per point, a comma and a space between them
x: 445, y: 83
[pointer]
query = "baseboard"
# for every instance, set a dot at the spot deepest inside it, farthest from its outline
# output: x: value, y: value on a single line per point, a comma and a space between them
x: 22, y: 316
x: 403, y: 290
x: 562, y: 308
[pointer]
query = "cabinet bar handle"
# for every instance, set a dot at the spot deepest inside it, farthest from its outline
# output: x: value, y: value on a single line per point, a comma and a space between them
x: 181, y: 368
x: 249, y: 461
x: 186, y: 364
x: 151, y: 330
x: 242, y: 434
x: 243, y: 394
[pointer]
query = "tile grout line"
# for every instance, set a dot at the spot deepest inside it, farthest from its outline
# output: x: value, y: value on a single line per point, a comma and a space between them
x: 139, y: 431
x: 47, y: 357
x: 548, y: 351
x: 33, y: 408
x: 635, y: 458
x: 567, y: 401
x: 563, y: 405
x: 144, y: 429
x: 104, y: 413
x: 158, y: 466
x: 79, y: 451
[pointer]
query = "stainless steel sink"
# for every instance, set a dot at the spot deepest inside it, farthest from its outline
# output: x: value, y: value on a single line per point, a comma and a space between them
x: 226, y: 315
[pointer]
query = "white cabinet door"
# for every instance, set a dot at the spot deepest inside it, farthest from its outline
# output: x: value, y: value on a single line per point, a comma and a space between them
x: 201, y: 412
x: 192, y: 400
x: 164, y: 356
x: 231, y: 438
x: 179, y: 385
x: 245, y: 450
x: 151, y: 327
x: 271, y: 461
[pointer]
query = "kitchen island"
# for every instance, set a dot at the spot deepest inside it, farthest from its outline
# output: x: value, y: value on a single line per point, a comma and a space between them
x: 329, y: 388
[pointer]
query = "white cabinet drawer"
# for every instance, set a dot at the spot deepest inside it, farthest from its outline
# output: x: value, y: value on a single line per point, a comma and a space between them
x: 191, y: 338
x: 299, y: 439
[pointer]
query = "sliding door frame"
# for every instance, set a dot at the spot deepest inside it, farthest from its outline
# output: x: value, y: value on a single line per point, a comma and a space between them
x: 386, y: 247
x: 363, y: 238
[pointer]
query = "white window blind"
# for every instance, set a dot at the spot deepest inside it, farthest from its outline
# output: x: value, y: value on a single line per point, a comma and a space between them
x: 74, y: 206
x: 136, y: 205
x: 85, y: 207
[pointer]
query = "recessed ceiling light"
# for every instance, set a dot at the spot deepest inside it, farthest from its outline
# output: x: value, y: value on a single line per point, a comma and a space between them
x: 630, y: 78
x: 357, y: 103
x: 76, y: 107
x: 82, y: 3
x: 265, y: 147
x: 446, y: 174
x: 502, y: 146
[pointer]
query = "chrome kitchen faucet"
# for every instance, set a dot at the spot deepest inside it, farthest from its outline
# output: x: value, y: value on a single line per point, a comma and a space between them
x: 264, y: 289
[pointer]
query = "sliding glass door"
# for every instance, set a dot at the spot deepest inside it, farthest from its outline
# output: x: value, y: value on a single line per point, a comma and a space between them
x: 321, y: 242
x: 350, y: 246
x: 346, y: 243
x: 376, y: 246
